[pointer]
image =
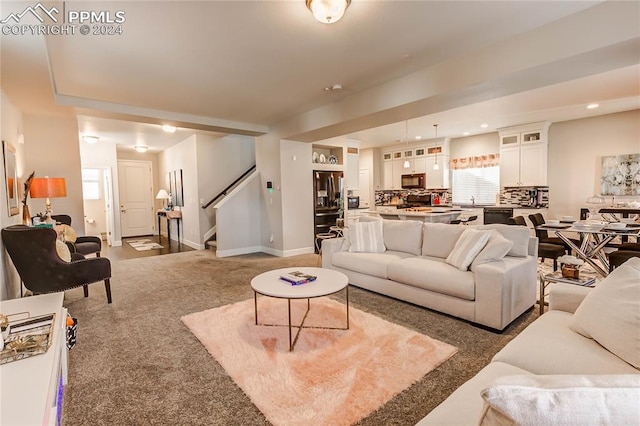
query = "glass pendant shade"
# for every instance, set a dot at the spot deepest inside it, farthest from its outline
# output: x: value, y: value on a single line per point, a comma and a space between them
x: 328, y: 11
x: 406, y: 164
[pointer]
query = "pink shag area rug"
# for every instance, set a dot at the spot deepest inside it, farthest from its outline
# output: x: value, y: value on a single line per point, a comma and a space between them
x: 332, y: 377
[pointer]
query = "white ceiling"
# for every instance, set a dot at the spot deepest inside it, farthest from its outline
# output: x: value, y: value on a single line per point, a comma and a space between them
x: 245, y: 66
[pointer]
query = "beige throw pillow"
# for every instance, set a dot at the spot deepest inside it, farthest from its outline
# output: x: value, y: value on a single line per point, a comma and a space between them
x: 366, y: 237
x: 63, y: 251
x: 533, y: 400
x: 497, y: 248
x: 610, y: 313
x: 470, y: 243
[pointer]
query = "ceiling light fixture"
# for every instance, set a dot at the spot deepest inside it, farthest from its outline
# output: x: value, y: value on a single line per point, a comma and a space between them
x: 418, y: 137
x: 169, y: 128
x: 465, y: 134
x: 436, y: 166
x: 406, y: 164
x: 90, y: 139
x: 592, y: 106
x: 484, y: 125
x: 141, y: 148
x: 328, y: 11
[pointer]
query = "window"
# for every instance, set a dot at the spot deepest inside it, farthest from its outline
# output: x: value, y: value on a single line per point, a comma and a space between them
x: 482, y: 183
x: 91, y: 184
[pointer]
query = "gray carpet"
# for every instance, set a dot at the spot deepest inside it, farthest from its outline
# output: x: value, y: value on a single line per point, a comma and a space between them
x: 135, y: 363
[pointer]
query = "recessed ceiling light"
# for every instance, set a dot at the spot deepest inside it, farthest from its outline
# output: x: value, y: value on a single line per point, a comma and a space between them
x: 90, y: 139
x: 418, y: 137
x: 169, y: 128
x: 592, y: 106
x: 484, y: 125
x: 465, y: 134
x: 141, y: 148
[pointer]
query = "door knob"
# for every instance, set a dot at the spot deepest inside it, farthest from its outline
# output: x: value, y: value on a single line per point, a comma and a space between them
x: 122, y: 209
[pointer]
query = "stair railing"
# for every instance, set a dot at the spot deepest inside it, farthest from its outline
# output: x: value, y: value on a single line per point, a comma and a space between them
x: 224, y: 191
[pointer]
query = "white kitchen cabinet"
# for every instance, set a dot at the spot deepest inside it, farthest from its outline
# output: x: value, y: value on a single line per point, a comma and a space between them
x: 523, y: 155
x: 398, y: 171
x: 387, y: 175
x: 353, y: 171
x: 387, y: 156
x: 437, y: 178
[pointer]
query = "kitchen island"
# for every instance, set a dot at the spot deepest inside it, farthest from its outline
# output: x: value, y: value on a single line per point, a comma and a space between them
x: 435, y: 215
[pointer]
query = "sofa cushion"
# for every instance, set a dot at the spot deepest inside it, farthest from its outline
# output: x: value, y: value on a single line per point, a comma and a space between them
x: 438, y: 239
x: 366, y: 237
x: 497, y: 248
x: 468, y: 246
x: 403, y: 235
x: 549, y: 346
x: 374, y: 264
x: 433, y: 274
x: 464, y: 405
x: 518, y: 234
x: 610, y: 313
x: 563, y: 400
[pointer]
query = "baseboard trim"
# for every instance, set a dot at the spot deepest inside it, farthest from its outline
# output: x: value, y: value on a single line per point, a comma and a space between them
x: 287, y: 253
x: 238, y: 252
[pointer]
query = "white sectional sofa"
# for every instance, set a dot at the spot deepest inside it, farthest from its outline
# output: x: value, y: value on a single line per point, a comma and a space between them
x: 412, y: 265
x: 577, y: 364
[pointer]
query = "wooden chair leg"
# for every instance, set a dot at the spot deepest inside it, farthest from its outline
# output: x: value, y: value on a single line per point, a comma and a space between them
x: 85, y: 288
x: 555, y: 265
x: 107, y: 286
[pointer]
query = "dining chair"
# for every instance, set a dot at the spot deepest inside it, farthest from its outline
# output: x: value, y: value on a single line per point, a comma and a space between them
x: 543, y: 236
x: 34, y: 255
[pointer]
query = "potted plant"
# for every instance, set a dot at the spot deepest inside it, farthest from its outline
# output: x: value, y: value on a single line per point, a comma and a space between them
x: 340, y: 220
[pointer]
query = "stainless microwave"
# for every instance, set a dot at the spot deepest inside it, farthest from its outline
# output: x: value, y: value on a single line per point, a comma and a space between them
x: 416, y: 180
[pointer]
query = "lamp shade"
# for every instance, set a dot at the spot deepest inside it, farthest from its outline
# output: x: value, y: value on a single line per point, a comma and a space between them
x: 47, y: 187
x: 162, y: 195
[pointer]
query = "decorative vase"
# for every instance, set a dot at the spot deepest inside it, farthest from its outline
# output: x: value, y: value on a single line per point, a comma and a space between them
x: 26, y: 217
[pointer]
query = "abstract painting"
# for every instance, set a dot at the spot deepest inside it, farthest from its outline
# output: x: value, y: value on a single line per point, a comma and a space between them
x: 621, y: 175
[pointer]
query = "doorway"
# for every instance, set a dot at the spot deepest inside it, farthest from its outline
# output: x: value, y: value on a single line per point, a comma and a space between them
x: 136, y: 198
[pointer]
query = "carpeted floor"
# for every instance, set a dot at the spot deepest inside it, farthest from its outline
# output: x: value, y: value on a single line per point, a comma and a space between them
x: 136, y: 363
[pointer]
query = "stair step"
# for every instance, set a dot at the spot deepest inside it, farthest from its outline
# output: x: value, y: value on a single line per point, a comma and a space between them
x: 213, y: 245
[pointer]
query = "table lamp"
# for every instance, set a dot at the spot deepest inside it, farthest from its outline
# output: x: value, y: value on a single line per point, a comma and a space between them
x: 48, y: 187
x: 163, y: 195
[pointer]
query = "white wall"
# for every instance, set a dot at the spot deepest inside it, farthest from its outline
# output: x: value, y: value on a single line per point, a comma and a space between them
x: 221, y: 160
x: 11, y: 131
x: 469, y: 146
x: 297, y: 198
x: 576, y: 149
x: 52, y: 149
x: 268, y: 162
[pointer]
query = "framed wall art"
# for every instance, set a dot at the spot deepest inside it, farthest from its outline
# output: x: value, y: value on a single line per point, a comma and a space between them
x: 620, y: 175
x: 11, y: 178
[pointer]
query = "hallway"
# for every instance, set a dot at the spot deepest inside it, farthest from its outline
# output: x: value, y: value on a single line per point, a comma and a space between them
x: 128, y: 252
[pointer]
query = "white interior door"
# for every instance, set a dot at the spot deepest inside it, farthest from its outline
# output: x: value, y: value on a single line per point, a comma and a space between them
x: 108, y: 205
x: 136, y: 198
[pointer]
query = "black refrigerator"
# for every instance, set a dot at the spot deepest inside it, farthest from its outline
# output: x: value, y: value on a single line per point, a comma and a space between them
x: 327, y: 192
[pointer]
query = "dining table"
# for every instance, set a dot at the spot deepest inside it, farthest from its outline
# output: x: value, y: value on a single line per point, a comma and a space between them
x: 594, y: 238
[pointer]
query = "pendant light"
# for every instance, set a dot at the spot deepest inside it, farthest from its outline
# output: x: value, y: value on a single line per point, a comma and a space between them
x: 436, y: 166
x: 406, y: 164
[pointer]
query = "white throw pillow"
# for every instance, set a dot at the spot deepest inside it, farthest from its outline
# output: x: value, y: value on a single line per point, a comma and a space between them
x: 366, y: 237
x: 610, y: 313
x: 470, y: 243
x: 562, y: 400
x: 497, y: 248
x: 63, y: 251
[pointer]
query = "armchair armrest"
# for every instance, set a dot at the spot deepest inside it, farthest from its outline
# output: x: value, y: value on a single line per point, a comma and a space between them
x: 89, y: 239
x: 566, y: 297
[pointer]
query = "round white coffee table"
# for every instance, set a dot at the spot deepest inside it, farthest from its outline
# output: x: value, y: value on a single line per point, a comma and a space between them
x: 270, y: 284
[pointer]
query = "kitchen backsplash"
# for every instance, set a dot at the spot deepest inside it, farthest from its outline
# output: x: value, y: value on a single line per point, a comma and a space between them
x: 522, y: 196
x: 397, y: 196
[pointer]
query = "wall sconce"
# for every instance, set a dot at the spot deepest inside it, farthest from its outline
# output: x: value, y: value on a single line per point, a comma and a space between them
x: 328, y: 11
